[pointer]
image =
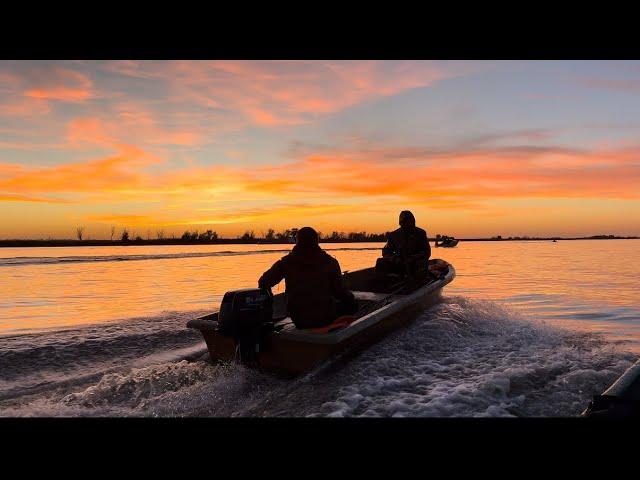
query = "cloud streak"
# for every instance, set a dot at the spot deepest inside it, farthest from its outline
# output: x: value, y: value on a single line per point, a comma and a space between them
x: 462, y: 180
x: 59, y: 84
x: 281, y: 93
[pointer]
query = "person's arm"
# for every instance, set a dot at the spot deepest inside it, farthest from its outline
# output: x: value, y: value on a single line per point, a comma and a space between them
x: 273, y: 276
x: 338, y: 288
x: 426, y: 246
x: 423, y: 249
x: 389, y: 249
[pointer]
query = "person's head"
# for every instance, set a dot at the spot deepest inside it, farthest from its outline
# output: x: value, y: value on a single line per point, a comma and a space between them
x: 407, y: 219
x: 307, y: 238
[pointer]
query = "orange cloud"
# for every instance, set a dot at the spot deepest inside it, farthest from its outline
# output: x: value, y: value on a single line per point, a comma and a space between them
x: 116, y: 172
x: 24, y: 198
x: 221, y: 217
x: 272, y: 93
x: 481, y: 173
x: 123, y: 219
x: 14, y: 106
x: 62, y: 85
x: 332, y: 184
x: 442, y: 179
x: 28, y: 92
x: 130, y: 124
x: 88, y: 130
x: 274, y: 212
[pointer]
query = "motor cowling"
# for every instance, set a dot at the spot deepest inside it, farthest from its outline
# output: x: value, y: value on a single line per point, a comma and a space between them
x: 244, y: 310
x: 247, y: 316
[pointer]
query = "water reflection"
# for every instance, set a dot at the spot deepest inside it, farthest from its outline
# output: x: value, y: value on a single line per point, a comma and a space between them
x: 581, y: 284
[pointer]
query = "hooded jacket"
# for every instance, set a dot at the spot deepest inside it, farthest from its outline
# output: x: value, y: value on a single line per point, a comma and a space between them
x: 313, y: 278
x: 408, y: 240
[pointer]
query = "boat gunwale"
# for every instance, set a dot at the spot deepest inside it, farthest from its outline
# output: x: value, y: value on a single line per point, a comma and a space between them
x: 396, y: 304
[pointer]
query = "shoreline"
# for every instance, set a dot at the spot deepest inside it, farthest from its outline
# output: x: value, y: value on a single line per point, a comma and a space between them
x: 232, y: 241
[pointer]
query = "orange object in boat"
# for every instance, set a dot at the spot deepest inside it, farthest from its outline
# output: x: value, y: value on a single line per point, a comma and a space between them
x: 339, y: 322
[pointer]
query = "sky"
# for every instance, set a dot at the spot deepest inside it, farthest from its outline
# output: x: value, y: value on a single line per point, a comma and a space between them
x: 473, y: 148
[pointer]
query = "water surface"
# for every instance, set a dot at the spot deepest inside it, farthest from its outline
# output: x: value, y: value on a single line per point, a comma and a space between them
x: 526, y: 328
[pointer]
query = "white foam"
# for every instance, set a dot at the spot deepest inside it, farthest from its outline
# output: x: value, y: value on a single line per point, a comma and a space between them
x: 466, y: 358
x: 461, y: 358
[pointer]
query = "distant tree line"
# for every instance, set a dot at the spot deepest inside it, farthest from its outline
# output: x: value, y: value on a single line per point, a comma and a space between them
x: 126, y: 237
x: 284, y: 236
x: 287, y: 235
x: 209, y: 236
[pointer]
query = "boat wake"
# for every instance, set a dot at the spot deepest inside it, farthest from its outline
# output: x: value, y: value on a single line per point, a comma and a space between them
x: 13, y: 261
x: 460, y: 358
x: 40, y: 362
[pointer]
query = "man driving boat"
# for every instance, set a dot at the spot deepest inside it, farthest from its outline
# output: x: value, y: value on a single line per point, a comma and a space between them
x: 315, y: 289
x: 407, y: 250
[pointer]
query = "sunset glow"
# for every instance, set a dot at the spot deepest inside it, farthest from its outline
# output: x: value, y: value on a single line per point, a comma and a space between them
x: 472, y: 148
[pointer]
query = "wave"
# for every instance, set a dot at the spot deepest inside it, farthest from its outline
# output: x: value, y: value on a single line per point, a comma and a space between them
x: 460, y: 358
x: 35, y: 362
x: 13, y: 261
x: 473, y: 359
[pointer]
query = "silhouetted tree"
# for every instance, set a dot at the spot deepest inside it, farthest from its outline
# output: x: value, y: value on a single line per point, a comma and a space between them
x: 208, y: 236
x: 191, y: 236
x: 113, y: 231
x: 284, y: 235
x: 357, y: 236
x: 248, y: 235
x: 125, y: 235
x: 79, y: 232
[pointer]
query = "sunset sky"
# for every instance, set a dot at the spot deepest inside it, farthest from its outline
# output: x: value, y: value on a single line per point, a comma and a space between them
x: 476, y: 148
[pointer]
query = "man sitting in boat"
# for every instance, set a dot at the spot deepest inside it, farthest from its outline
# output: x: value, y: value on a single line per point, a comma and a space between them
x: 407, y: 250
x: 315, y: 291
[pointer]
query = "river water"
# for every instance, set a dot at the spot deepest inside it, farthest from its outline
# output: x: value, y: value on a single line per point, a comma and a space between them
x: 529, y: 328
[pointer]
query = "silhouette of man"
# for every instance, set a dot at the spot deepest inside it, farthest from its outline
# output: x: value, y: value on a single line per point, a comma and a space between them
x: 315, y: 289
x: 407, y: 250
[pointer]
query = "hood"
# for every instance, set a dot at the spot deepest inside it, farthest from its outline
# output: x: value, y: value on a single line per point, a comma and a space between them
x: 407, y: 220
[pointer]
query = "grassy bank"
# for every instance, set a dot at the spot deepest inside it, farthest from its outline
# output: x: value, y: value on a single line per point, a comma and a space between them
x: 240, y: 241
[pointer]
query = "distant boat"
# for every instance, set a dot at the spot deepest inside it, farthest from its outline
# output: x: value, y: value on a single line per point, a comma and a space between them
x: 554, y: 241
x: 445, y: 241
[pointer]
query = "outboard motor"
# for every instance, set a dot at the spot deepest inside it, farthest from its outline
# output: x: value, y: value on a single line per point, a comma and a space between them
x: 247, y: 316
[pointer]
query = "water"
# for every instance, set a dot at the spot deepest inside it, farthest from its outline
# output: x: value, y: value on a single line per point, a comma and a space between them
x: 525, y: 329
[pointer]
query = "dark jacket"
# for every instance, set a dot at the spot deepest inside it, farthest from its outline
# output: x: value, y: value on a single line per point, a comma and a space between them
x: 313, y: 280
x: 407, y: 242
